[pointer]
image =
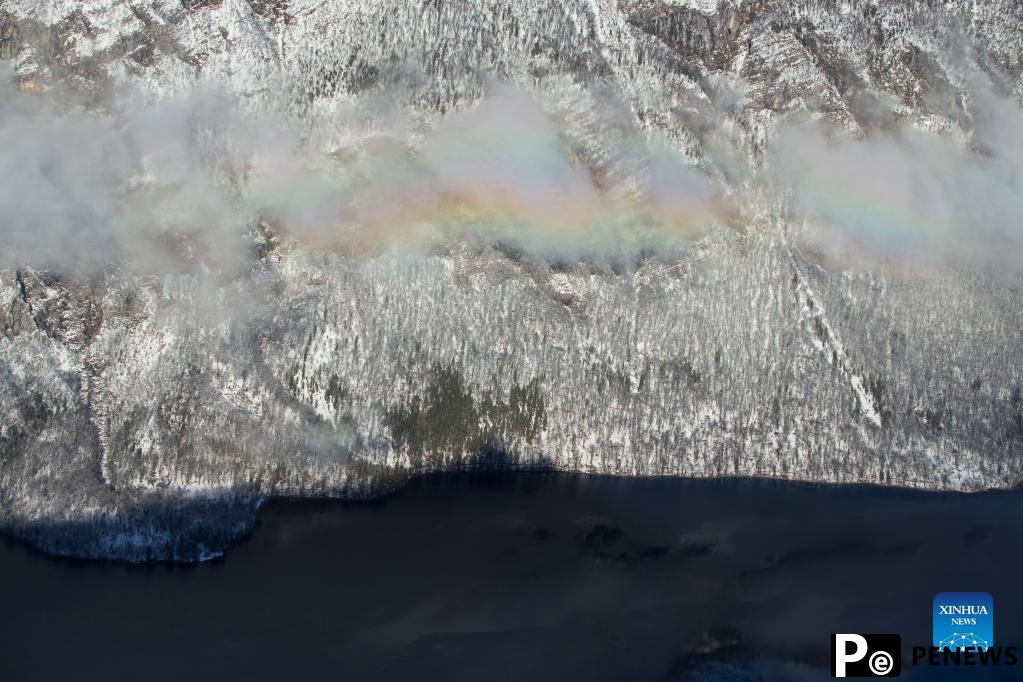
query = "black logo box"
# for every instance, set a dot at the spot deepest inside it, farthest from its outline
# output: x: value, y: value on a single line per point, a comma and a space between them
x: 876, y: 643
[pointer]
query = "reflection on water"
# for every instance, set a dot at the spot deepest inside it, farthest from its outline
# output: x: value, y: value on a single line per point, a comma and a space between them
x: 531, y: 576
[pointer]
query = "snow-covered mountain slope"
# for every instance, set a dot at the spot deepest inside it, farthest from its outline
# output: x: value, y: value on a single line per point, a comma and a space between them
x: 770, y: 330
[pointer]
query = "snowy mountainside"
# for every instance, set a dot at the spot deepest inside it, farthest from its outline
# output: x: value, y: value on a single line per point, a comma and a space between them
x: 784, y: 327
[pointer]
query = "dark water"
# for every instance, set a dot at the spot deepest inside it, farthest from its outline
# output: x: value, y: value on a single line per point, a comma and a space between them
x: 530, y: 577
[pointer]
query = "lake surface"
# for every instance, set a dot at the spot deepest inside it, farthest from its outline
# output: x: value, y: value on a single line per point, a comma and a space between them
x: 530, y: 577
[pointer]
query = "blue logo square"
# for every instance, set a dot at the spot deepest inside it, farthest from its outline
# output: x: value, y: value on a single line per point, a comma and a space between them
x: 963, y: 620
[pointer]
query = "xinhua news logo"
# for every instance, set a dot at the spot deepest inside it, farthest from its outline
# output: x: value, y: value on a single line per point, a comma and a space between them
x: 963, y: 633
x: 866, y: 655
x: 963, y: 620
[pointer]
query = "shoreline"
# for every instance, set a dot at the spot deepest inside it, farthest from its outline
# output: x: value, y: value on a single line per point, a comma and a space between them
x: 291, y: 504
